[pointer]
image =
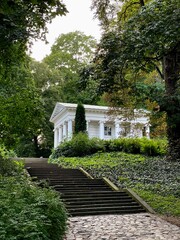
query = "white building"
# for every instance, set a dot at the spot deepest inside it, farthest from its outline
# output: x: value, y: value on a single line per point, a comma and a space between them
x: 99, y: 123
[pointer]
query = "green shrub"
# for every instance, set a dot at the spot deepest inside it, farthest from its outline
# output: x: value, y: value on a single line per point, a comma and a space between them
x: 6, y: 153
x: 81, y: 145
x: 96, y: 145
x: 129, y: 145
x: 29, y: 212
x: 77, y: 146
x: 8, y: 167
x: 152, y: 147
x: 145, y: 146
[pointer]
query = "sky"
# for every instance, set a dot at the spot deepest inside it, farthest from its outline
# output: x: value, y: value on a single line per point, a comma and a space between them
x: 80, y: 18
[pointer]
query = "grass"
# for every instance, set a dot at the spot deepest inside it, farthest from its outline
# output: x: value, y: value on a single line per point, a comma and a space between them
x: 153, y: 178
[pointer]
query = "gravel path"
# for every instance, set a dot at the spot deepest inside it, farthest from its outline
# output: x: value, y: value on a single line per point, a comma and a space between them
x: 121, y: 227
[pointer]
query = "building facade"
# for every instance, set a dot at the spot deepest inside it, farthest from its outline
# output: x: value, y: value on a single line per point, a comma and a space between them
x: 99, y: 123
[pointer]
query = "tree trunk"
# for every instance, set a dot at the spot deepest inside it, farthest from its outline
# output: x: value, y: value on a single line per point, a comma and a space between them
x: 142, y: 3
x: 171, y: 65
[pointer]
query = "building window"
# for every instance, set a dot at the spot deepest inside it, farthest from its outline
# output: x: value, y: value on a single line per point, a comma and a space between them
x: 107, y: 131
x: 144, y: 131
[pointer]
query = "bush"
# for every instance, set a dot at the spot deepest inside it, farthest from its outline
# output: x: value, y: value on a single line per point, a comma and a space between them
x: 96, y: 145
x: 9, y: 167
x: 29, y: 212
x: 26, y: 210
x: 6, y: 153
x: 145, y: 146
x: 81, y: 145
x: 152, y: 147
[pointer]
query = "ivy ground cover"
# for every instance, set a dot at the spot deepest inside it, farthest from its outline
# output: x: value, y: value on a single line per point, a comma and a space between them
x: 153, y: 178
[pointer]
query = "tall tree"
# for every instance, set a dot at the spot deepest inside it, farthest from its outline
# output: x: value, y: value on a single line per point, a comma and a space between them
x: 147, y: 39
x: 69, y: 54
x: 48, y: 83
x: 20, y: 106
x: 20, y: 22
x: 80, y: 119
x: 25, y: 20
x: 20, y: 103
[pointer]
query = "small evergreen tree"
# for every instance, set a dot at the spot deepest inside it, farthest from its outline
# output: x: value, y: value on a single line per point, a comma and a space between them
x: 80, y: 119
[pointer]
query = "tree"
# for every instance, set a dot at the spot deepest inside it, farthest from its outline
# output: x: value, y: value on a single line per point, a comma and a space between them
x: 80, y: 119
x: 25, y: 20
x: 69, y: 54
x: 48, y: 83
x: 20, y: 106
x: 22, y: 114
x: 147, y: 39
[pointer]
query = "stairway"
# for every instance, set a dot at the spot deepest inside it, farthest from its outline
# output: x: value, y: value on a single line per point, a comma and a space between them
x: 84, y: 196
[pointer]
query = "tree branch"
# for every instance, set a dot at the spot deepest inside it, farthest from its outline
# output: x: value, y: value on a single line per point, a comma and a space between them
x: 159, y: 71
x: 125, y: 10
x: 141, y: 2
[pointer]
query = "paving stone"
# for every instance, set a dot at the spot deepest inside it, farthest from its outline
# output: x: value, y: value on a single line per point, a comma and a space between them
x: 125, y: 227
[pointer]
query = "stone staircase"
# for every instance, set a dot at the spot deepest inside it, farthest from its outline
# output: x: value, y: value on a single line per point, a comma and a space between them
x: 84, y: 196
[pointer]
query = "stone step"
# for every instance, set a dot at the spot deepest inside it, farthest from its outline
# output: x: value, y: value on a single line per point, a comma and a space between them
x: 105, y: 211
x: 82, y: 184
x: 40, y: 165
x: 76, y: 189
x: 93, y: 202
x: 84, y: 196
x: 74, y: 181
x: 106, y: 193
x: 59, y: 178
x: 55, y: 168
x: 56, y: 173
x: 79, y: 185
x: 101, y: 205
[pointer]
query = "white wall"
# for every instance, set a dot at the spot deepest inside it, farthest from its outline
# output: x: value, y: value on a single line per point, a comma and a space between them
x: 94, y: 117
x: 93, y: 129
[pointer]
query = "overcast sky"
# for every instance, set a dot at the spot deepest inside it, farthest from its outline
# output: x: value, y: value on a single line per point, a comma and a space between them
x: 80, y: 17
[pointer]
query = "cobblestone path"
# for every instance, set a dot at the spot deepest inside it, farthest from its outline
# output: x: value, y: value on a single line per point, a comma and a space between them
x: 121, y: 227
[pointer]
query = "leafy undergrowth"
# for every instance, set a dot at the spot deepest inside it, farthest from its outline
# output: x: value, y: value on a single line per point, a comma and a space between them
x: 29, y: 212
x: 153, y: 178
x: 81, y: 145
x: 26, y: 210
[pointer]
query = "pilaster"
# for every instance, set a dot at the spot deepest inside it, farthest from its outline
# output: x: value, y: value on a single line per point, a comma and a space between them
x: 101, y: 129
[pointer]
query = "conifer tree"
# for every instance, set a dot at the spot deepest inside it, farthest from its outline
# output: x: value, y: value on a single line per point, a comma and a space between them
x: 80, y: 119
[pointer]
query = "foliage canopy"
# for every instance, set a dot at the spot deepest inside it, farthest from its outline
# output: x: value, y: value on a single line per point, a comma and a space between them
x: 144, y: 41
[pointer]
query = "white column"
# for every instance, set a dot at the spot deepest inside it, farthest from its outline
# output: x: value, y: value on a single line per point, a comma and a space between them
x: 87, y: 127
x: 55, y: 137
x: 148, y: 131
x: 60, y: 134
x: 117, y: 129
x: 70, y: 130
x: 64, y: 130
x: 101, y: 129
x: 132, y: 133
